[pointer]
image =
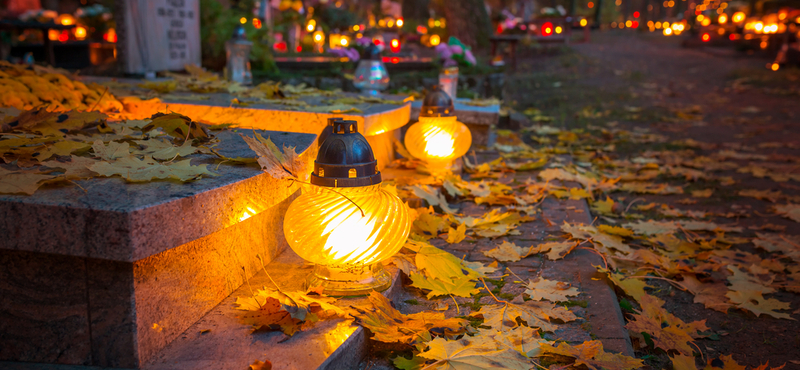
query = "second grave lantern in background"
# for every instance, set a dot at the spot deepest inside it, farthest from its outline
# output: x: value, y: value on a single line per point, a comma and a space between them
x: 237, y: 50
x: 371, y: 76
x: 438, y: 138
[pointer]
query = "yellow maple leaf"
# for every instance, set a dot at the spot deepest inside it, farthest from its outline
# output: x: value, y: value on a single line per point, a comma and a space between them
x: 21, y: 182
x: 478, y: 352
x: 456, y: 235
x: 389, y: 325
x: 615, y: 230
x: 141, y: 170
x: 592, y: 355
x: 551, y: 290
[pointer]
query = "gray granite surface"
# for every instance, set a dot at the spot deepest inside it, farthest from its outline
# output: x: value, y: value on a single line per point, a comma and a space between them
x: 108, y: 218
x: 469, y: 114
x: 216, y: 108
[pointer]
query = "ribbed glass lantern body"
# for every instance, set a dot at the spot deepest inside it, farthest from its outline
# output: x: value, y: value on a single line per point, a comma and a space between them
x: 327, y: 229
x: 438, y: 140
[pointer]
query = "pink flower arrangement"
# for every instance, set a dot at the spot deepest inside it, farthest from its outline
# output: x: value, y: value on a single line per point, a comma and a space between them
x: 454, y: 53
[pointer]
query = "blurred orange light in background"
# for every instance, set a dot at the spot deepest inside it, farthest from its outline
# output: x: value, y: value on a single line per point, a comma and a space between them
x: 400, y: 22
x: 80, y: 33
x: 775, y: 66
x: 706, y: 21
x: 243, y: 20
x: 65, y: 19
x: 257, y: 23
x: 590, y: 5
x: 435, y: 40
x: 110, y: 35
x: 706, y: 37
x: 635, y: 24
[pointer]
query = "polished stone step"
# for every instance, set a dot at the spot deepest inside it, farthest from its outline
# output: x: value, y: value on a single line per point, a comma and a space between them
x: 219, y: 341
x: 108, y: 273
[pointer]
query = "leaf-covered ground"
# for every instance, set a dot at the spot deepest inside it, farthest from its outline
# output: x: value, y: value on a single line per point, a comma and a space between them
x: 690, y: 163
x: 728, y: 137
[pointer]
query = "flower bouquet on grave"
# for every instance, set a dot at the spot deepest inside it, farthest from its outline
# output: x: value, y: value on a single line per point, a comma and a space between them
x: 452, y: 55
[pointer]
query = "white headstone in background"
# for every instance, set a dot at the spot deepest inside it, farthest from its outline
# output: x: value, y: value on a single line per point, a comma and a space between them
x: 159, y: 35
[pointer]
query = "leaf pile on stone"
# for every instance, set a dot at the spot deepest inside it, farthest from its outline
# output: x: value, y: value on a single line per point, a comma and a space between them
x: 34, y: 87
x: 44, y: 147
x: 199, y: 81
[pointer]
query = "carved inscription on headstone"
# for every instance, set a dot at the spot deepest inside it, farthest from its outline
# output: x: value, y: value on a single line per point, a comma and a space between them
x: 160, y: 35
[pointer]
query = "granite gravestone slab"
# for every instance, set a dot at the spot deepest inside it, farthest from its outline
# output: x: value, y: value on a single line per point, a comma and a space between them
x: 158, y: 35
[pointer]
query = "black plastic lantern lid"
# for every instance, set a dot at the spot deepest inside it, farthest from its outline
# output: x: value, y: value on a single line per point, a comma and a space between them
x: 345, y: 159
x: 437, y: 104
x: 327, y: 130
x: 372, y: 52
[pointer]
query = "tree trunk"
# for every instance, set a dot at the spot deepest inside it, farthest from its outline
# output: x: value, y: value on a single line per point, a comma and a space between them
x: 416, y: 11
x: 597, y: 18
x: 469, y: 22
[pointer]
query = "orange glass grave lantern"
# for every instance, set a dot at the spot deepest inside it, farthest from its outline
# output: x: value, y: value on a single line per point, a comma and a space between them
x: 438, y: 138
x: 346, y: 224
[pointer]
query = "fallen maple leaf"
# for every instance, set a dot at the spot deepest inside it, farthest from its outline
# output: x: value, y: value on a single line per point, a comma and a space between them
x: 389, y: 325
x: 665, y: 330
x: 272, y: 160
x: 440, y: 264
x: 141, y: 170
x: 52, y: 123
x: 551, y: 290
x: 615, y: 230
x: 113, y: 150
x: 505, y: 316
x: 508, y: 252
x: 433, y: 196
x: 468, y: 353
x: 705, y: 193
x: 272, y: 310
x: 592, y: 355
x: 747, y: 293
x: 683, y: 362
x: 259, y: 365
x: 711, y: 295
x: 605, y: 240
x: 456, y: 235
x: 21, y: 182
x: 178, y: 126
x: 463, y: 286
x: 790, y: 211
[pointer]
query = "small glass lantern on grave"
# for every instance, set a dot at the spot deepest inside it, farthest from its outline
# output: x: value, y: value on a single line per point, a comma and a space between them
x: 345, y: 223
x: 371, y: 76
x: 438, y: 139
x: 448, y: 81
x: 237, y: 50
